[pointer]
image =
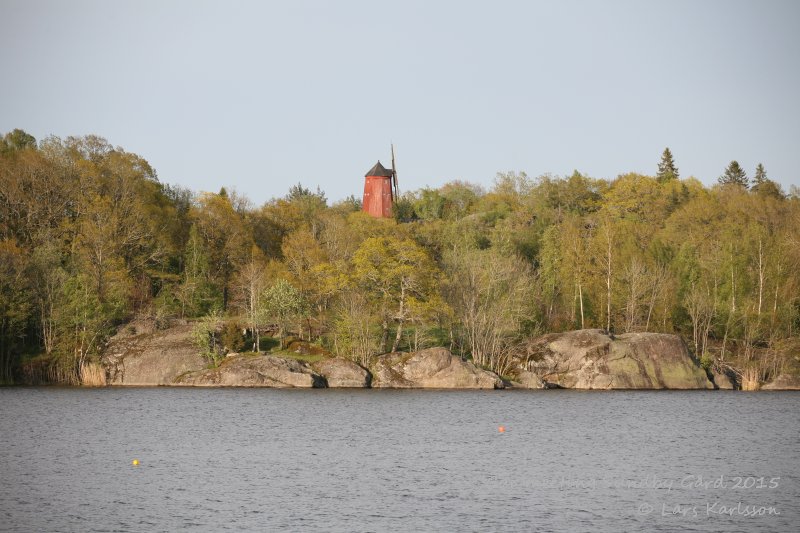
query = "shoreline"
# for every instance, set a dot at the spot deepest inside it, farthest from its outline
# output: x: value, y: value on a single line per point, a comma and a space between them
x: 555, y: 390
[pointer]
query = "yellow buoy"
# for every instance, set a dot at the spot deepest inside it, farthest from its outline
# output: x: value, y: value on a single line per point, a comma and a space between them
x: 135, y: 462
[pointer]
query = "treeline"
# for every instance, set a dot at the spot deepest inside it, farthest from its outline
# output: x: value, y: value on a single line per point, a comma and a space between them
x: 90, y: 238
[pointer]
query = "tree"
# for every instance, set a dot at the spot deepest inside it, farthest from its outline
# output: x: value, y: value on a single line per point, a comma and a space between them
x: 196, y: 294
x: 459, y: 197
x: 575, y: 236
x: 607, y: 236
x: 16, y: 140
x: 303, y: 257
x: 249, y: 288
x: 429, y: 204
x: 84, y: 320
x: 398, y: 276
x: 48, y: 277
x: 284, y: 304
x: 577, y: 193
x: 308, y: 205
x: 734, y: 175
x: 666, y: 168
x: 204, y: 336
x: 492, y: 295
x: 765, y: 186
x: 356, y: 329
x: 15, y: 304
x: 226, y: 236
x: 760, y: 176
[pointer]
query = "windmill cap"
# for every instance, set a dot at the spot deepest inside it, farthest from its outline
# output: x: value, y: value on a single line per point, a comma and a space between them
x: 379, y: 170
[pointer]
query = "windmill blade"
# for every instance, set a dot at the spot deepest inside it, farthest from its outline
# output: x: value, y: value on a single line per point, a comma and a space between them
x: 394, y: 175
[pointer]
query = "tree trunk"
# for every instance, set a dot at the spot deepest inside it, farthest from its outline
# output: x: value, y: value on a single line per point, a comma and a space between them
x: 608, y: 294
x: 760, y: 275
x: 384, y: 336
x: 733, y: 288
x: 398, y: 336
x: 400, y: 317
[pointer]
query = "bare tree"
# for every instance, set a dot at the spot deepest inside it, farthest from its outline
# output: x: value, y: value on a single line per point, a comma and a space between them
x: 356, y: 331
x: 700, y: 302
x: 636, y: 277
x: 249, y: 287
x: 492, y: 295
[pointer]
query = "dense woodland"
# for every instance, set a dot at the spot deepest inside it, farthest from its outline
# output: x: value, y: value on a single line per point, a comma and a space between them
x: 91, y: 239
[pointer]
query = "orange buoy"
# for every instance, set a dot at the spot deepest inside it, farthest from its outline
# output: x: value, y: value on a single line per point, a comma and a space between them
x: 501, y: 429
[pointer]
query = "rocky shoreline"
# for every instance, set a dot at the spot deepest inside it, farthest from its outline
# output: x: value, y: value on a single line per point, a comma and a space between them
x: 583, y: 359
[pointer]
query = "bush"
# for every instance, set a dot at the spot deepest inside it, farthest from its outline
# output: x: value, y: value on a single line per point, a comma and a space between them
x: 204, y: 336
x: 232, y: 338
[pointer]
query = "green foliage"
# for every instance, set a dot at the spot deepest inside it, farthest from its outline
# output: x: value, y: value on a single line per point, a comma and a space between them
x: 765, y: 186
x: 577, y: 194
x: 300, y: 193
x: 734, y: 175
x: 16, y: 304
x: 196, y: 293
x: 205, y: 336
x: 459, y: 198
x: 666, y: 167
x: 231, y: 336
x: 283, y: 304
x: 356, y: 329
x: 89, y: 238
x: 429, y: 204
x: 351, y: 204
x: 400, y: 280
x: 166, y: 306
x: 760, y: 176
x: 16, y: 140
x: 403, y: 209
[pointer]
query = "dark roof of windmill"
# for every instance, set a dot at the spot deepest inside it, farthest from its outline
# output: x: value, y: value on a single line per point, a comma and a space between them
x: 378, y: 170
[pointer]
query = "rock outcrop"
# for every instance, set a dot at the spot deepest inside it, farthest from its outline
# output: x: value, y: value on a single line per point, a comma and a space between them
x: 724, y: 379
x: 523, y: 379
x: 254, y: 371
x: 431, y: 368
x: 783, y: 382
x: 591, y: 359
x: 342, y: 373
x: 587, y: 359
x: 142, y: 355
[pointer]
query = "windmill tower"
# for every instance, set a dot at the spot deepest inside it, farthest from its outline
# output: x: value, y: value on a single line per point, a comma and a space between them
x: 380, y: 189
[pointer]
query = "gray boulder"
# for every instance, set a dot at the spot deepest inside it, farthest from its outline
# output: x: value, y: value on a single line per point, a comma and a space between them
x: 783, y: 382
x: 724, y: 379
x: 431, y: 368
x: 140, y: 356
x: 254, y: 371
x: 591, y: 359
x: 523, y: 379
x: 342, y: 373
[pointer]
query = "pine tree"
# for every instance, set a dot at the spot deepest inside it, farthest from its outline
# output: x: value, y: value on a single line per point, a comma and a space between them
x: 764, y: 186
x: 666, y: 168
x: 734, y: 175
x: 761, y: 176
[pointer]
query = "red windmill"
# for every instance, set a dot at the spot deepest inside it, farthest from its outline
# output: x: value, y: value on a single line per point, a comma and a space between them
x: 380, y: 190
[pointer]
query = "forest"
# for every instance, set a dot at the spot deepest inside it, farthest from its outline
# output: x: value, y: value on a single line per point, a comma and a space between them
x: 90, y: 239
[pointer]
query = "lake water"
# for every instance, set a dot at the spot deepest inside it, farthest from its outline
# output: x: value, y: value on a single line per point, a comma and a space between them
x: 379, y: 460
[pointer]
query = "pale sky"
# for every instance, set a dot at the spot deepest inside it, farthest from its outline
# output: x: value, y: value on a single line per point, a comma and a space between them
x: 257, y: 96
